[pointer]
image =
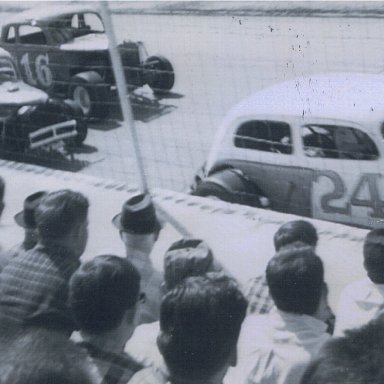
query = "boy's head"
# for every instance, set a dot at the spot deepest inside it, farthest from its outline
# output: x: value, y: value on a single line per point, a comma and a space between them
x: 185, y: 258
x: 200, y: 321
x: 101, y: 291
x: 295, y: 278
x: 295, y: 231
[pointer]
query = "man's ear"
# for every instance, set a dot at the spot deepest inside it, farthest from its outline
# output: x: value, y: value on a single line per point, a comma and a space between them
x: 2, y: 205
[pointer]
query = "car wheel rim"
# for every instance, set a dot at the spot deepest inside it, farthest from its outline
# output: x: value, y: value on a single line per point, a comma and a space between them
x: 82, y: 98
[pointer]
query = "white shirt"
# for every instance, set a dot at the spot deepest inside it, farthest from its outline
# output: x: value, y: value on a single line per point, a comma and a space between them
x: 359, y: 303
x: 142, y: 345
x: 276, y: 348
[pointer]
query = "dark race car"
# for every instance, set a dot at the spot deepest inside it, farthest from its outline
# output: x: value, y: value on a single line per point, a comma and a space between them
x: 29, y: 119
x: 64, y: 51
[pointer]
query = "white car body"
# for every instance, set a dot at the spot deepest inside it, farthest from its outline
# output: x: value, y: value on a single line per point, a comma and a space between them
x: 344, y: 185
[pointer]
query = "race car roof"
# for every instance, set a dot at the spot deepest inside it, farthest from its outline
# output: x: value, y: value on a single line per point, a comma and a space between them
x: 348, y: 96
x: 46, y: 15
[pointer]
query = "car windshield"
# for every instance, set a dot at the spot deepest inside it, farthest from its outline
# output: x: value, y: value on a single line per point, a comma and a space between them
x: 7, y: 71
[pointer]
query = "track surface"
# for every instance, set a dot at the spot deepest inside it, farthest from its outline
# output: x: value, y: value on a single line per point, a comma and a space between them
x: 218, y: 61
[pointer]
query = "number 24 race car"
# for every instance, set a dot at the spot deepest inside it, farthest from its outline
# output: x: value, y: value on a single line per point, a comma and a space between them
x: 312, y: 146
x: 29, y: 118
x: 64, y: 51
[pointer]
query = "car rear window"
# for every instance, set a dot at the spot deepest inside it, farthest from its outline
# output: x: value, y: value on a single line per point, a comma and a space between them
x: 337, y: 142
x: 264, y: 135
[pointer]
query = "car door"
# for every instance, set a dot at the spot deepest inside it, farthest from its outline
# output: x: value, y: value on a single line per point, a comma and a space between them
x: 34, y: 55
x: 264, y: 149
x: 347, y: 184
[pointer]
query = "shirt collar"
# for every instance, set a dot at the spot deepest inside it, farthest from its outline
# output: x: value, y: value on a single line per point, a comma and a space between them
x: 306, y: 320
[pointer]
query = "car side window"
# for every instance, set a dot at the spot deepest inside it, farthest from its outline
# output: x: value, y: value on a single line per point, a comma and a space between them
x: 93, y: 22
x: 30, y: 34
x: 264, y: 135
x: 337, y: 142
x: 11, y: 35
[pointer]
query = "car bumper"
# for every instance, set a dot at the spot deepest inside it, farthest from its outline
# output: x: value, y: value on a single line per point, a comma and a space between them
x: 52, y: 133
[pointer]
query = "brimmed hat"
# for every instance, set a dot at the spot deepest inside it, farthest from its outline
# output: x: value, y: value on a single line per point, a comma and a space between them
x: 184, y: 258
x: 138, y: 216
x: 26, y: 218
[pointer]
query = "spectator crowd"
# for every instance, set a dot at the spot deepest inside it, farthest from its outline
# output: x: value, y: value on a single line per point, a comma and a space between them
x: 115, y: 319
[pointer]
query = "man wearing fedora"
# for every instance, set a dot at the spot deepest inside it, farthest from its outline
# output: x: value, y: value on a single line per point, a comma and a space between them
x: 26, y: 219
x: 34, y: 285
x: 139, y: 229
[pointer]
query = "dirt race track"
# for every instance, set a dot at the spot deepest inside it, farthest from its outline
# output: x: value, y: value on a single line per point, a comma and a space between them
x: 218, y: 60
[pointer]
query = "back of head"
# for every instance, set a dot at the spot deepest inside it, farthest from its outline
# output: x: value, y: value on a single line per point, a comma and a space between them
x: 44, y: 357
x: 59, y: 212
x: 356, y: 358
x: 295, y: 278
x: 294, y: 231
x: 200, y: 321
x: 100, y: 292
x: 184, y: 258
x: 373, y: 251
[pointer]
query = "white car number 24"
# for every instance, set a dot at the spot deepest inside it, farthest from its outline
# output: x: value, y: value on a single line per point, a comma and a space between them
x: 42, y: 74
x: 331, y: 197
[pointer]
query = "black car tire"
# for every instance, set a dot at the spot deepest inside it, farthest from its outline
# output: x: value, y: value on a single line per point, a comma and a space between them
x: 92, y: 98
x: 159, y: 74
x: 212, y: 190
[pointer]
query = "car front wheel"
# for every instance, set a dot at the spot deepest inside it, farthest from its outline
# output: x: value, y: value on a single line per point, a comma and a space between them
x: 92, y: 98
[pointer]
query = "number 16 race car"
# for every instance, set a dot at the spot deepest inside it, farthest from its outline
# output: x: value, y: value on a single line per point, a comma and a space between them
x: 312, y: 146
x: 29, y: 119
x: 64, y: 51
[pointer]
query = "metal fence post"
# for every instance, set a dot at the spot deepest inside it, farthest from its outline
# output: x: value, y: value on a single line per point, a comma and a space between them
x: 123, y: 94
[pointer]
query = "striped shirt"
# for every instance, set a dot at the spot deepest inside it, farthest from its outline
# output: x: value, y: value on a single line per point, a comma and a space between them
x: 114, y: 368
x: 34, y: 288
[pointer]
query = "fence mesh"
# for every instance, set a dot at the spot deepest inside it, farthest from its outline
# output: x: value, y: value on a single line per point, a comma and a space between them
x: 218, y: 56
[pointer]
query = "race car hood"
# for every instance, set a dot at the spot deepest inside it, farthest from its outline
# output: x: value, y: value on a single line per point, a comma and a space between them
x: 19, y: 93
x: 91, y: 42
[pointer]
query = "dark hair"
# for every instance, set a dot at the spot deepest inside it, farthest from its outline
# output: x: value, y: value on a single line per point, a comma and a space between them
x: 100, y: 292
x: 185, y: 258
x: 296, y: 230
x: 295, y: 278
x: 200, y: 321
x: 373, y: 251
x: 59, y: 211
x: 39, y: 356
x: 356, y: 358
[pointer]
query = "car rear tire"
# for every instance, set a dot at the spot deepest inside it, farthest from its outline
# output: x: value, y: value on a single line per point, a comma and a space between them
x: 91, y: 98
x: 159, y: 74
x: 213, y: 191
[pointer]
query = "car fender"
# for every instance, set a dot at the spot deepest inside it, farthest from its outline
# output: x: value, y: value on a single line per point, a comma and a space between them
x: 89, y: 76
x: 236, y: 185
